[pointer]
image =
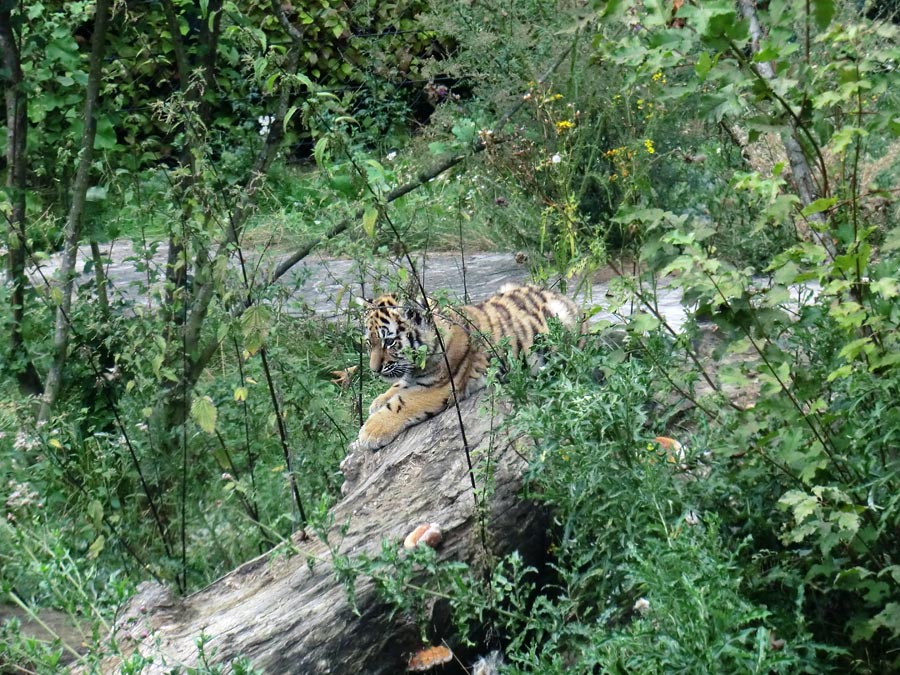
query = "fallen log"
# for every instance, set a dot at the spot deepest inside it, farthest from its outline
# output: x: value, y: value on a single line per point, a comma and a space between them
x: 292, y: 615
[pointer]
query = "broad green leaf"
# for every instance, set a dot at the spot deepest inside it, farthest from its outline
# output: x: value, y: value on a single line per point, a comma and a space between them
x: 856, y: 347
x: 886, y: 287
x: 823, y: 12
x: 844, y: 371
x: 642, y: 322
x: 848, y: 521
x: 105, y: 137
x: 96, y: 193
x: 370, y: 217
x: 204, y: 413
x: 240, y: 393
x: 703, y: 66
x: 819, y: 205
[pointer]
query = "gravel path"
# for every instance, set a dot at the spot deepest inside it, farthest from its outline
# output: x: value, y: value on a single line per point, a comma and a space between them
x: 326, y: 285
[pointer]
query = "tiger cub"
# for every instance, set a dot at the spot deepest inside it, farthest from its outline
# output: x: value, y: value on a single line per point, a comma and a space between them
x: 406, y: 347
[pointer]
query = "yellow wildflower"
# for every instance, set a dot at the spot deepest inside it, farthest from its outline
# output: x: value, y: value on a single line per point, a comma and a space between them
x: 563, y: 125
x: 658, y: 77
x: 649, y: 145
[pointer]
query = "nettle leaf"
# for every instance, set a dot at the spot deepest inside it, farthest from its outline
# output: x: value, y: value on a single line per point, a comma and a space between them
x: 204, y: 413
x: 255, y: 324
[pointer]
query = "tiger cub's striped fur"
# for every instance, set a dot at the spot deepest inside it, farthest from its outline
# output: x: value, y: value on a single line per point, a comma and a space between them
x: 453, y: 343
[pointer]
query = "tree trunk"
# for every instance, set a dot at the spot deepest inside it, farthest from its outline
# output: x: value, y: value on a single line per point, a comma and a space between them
x: 16, y: 136
x: 76, y: 212
x: 292, y: 615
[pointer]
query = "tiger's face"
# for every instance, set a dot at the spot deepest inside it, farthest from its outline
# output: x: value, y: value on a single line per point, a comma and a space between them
x: 394, y: 334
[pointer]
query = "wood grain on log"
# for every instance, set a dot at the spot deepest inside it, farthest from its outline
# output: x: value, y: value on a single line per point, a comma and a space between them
x: 291, y: 615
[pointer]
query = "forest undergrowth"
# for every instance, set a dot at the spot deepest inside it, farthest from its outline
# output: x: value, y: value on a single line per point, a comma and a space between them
x: 725, y: 497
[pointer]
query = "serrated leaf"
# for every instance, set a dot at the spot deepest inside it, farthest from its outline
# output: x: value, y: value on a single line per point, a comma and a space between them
x: 204, y: 413
x: 370, y: 217
x: 255, y: 325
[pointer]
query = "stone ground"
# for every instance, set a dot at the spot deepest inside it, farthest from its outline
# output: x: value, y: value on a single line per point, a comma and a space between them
x: 327, y: 285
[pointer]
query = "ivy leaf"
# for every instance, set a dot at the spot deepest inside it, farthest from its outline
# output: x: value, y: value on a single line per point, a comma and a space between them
x: 204, y: 413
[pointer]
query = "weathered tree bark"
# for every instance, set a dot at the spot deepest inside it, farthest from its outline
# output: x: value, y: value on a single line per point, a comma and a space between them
x: 292, y: 615
x: 53, y: 382
x: 16, y: 104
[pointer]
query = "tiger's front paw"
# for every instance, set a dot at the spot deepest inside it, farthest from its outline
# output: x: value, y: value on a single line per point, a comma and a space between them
x: 369, y: 439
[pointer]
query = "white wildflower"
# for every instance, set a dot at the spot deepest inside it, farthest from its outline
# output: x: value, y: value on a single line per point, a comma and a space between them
x: 556, y: 159
x: 391, y: 156
x: 642, y: 606
x: 265, y: 121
